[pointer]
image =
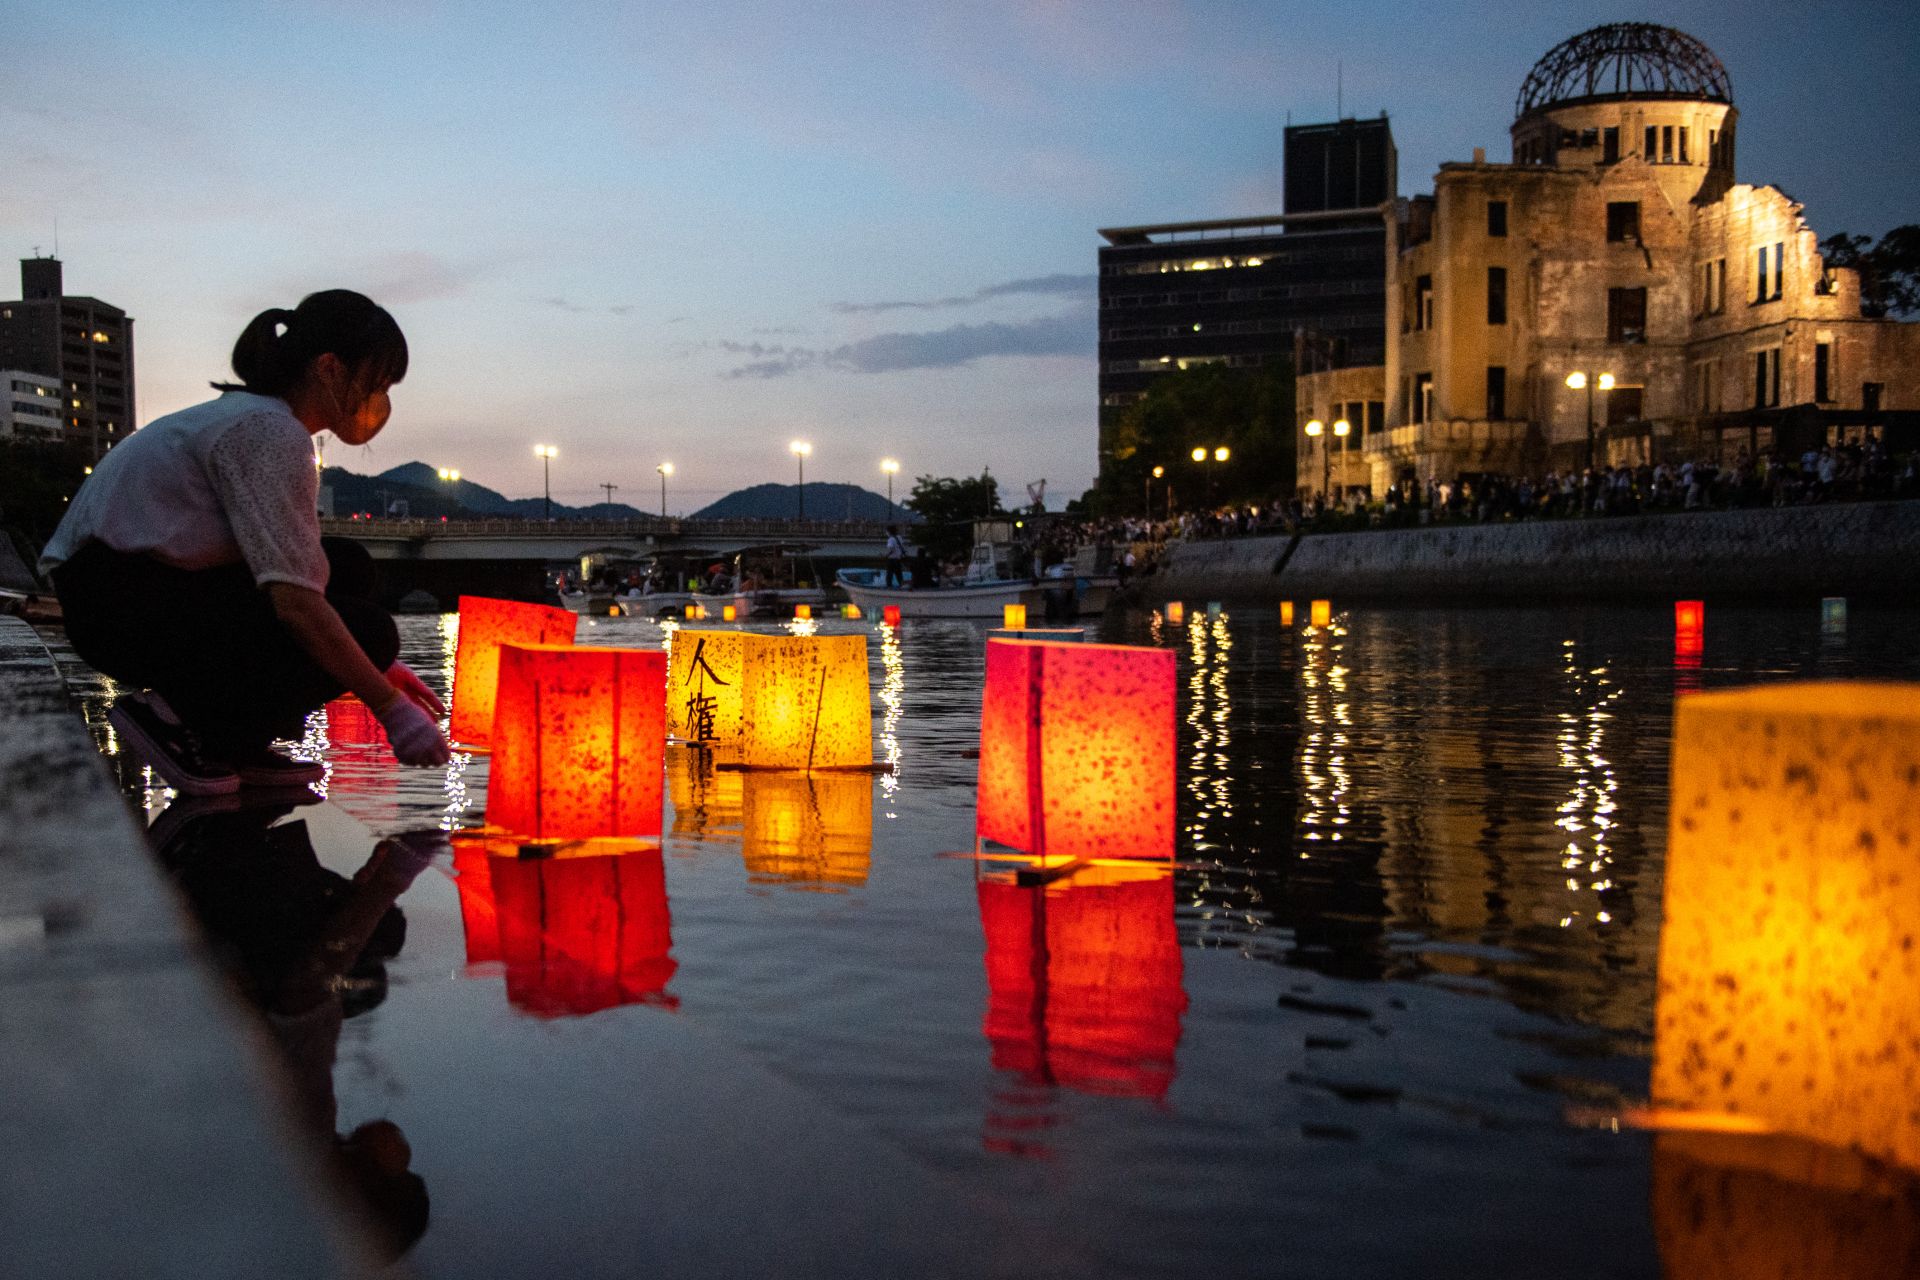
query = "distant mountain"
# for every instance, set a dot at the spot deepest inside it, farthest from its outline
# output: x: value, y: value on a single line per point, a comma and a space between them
x: 824, y: 502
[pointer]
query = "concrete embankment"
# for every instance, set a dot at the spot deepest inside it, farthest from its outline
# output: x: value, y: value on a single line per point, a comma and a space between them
x: 140, y: 1129
x: 1862, y: 550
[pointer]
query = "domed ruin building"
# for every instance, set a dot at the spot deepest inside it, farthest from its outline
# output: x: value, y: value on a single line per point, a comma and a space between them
x: 1616, y: 241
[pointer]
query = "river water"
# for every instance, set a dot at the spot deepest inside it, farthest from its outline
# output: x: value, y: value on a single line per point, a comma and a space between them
x: 1381, y: 1022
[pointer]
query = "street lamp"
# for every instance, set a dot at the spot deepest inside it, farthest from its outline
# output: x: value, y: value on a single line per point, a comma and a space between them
x: 1342, y: 428
x: 1578, y: 380
x: 892, y: 468
x: 547, y: 453
x: 449, y: 474
x: 800, y: 450
x: 665, y: 469
x: 1220, y: 454
x: 1157, y: 473
x: 1316, y: 429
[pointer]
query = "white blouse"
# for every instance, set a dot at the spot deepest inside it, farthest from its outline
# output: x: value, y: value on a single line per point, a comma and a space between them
x: 225, y: 482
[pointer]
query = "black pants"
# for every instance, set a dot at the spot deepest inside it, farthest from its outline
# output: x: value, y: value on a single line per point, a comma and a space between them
x: 208, y: 642
x: 894, y: 574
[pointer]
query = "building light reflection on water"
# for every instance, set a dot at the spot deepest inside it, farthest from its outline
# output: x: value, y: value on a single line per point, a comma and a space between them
x: 1324, y: 777
x: 454, y: 816
x: 1587, y: 814
x: 893, y: 686
x: 1209, y: 717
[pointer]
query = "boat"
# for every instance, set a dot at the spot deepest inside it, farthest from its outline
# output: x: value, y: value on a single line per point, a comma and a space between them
x: 1063, y: 592
x: 770, y: 580
x: 669, y: 582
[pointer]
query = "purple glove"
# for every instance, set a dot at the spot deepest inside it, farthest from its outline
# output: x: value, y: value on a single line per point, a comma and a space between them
x: 412, y: 733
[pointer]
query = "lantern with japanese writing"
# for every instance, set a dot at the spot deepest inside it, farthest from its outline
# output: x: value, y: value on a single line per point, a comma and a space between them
x: 579, y: 741
x: 703, y: 685
x: 806, y: 703
x: 1077, y: 749
x: 1789, y: 977
x: 581, y: 934
x: 813, y: 830
x: 1084, y: 980
x: 485, y: 625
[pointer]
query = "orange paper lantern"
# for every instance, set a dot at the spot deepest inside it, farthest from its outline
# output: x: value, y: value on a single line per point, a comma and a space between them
x: 728, y: 613
x: 579, y: 741
x: 1013, y: 617
x: 808, y: 829
x: 1084, y: 980
x: 1286, y: 613
x: 853, y: 611
x: 803, y: 611
x: 890, y: 614
x: 1077, y: 749
x: 485, y: 625
x: 1321, y: 613
x: 583, y: 934
x: 806, y: 702
x: 1176, y: 612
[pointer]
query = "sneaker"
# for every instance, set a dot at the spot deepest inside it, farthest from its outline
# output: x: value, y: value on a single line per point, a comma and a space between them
x: 268, y: 768
x: 169, y: 748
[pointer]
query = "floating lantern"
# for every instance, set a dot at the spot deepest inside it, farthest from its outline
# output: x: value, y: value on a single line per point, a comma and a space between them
x: 1689, y: 615
x: 728, y: 613
x: 1013, y: 617
x: 707, y: 801
x: 1176, y: 612
x: 485, y: 625
x: 479, y: 919
x: 1788, y: 972
x: 1286, y: 613
x: 703, y: 685
x: 803, y: 611
x: 1320, y: 613
x: 1213, y: 608
x: 806, y: 703
x: 890, y: 614
x: 578, y: 742
x: 613, y: 611
x: 808, y: 829
x: 581, y: 934
x: 1077, y: 749
x: 1084, y: 980
x: 1833, y: 613
x: 853, y: 611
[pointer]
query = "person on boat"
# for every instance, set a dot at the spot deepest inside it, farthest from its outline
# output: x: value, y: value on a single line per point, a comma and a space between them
x: 896, y: 557
x: 191, y: 564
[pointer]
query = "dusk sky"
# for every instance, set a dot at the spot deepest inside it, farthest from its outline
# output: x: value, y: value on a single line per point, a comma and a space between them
x: 693, y: 232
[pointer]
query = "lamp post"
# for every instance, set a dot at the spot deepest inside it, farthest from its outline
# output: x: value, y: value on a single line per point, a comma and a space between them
x: 547, y: 453
x: 1342, y: 428
x: 1578, y: 380
x: 1315, y: 430
x: 892, y: 468
x: 1220, y: 454
x: 449, y: 474
x: 1154, y: 475
x: 800, y: 450
x: 665, y: 469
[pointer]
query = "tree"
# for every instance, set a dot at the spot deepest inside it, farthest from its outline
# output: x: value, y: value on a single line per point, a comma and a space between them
x: 1889, y: 271
x: 1207, y: 406
x: 947, y: 508
x: 36, y: 482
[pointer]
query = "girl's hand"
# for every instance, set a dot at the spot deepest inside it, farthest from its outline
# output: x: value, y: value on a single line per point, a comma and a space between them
x: 411, y: 687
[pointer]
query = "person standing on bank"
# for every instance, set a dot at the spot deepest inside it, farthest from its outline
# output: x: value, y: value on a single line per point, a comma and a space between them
x: 191, y: 564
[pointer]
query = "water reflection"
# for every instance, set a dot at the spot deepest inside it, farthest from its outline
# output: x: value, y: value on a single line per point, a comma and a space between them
x: 893, y: 693
x: 1209, y: 725
x: 309, y: 949
x: 707, y: 800
x: 807, y: 830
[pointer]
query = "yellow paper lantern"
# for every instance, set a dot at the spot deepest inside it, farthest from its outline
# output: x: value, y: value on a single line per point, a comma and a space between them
x: 808, y: 829
x: 728, y: 613
x: 853, y: 612
x: 1789, y: 976
x: 703, y: 685
x: 1176, y: 612
x: 1013, y: 617
x: 693, y: 611
x: 1322, y: 613
x: 806, y: 702
x: 803, y: 611
x: 1286, y: 613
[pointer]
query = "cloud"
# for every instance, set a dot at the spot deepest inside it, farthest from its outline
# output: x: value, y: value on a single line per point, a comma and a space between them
x: 576, y: 308
x: 1067, y: 334
x: 1050, y: 285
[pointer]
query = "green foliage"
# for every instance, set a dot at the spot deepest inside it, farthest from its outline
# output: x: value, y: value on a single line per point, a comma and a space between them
x: 36, y: 480
x: 947, y: 507
x: 1249, y: 411
x: 1889, y: 271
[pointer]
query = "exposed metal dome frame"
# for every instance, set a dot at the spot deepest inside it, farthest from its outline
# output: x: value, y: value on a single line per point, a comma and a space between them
x: 1625, y: 59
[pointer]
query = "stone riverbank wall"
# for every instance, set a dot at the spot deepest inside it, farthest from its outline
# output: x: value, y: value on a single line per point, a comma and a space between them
x: 1862, y: 550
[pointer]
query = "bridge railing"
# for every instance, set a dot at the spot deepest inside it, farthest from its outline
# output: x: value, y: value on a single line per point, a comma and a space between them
x: 680, y: 530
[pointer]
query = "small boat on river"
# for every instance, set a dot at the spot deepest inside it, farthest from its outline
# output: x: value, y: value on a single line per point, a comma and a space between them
x: 1061, y: 593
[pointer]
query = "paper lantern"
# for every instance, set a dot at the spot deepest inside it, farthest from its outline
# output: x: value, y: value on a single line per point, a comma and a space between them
x: 703, y: 685
x: 1286, y: 613
x: 1789, y: 975
x: 1084, y: 980
x: 582, y: 934
x: 707, y: 801
x: 1321, y: 613
x: 1833, y: 613
x: 728, y: 613
x: 479, y: 918
x: 1064, y: 635
x: 578, y: 742
x: 803, y: 611
x: 485, y: 625
x: 1077, y: 749
x: 692, y: 611
x: 807, y: 829
x: 1689, y: 615
x: 806, y: 702
x: 1176, y: 612
x: 853, y: 611
x: 890, y: 614
x: 1013, y: 617
x: 1213, y: 608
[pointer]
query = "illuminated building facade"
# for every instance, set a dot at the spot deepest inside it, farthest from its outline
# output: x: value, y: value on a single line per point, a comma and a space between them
x: 1235, y: 291
x: 30, y: 408
x: 1615, y: 241
x: 84, y: 344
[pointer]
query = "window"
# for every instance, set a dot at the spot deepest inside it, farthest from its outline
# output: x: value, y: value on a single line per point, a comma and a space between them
x: 1767, y: 287
x: 1496, y: 391
x: 1666, y: 144
x: 1624, y: 405
x: 1706, y: 383
x: 1623, y: 220
x: 1496, y: 217
x: 1423, y: 302
x: 1496, y: 295
x: 1766, y: 378
x: 1870, y: 395
x: 1713, y: 287
x: 1610, y: 144
x: 1627, y: 315
x: 1683, y: 144
x: 1822, y: 372
x: 1422, y: 397
x: 1376, y: 415
x: 1652, y: 141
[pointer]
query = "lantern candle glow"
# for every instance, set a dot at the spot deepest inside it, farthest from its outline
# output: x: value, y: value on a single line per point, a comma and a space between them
x: 1013, y: 617
x: 1320, y: 613
x: 728, y: 613
x: 890, y: 614
x: 806, y: 702
x: 1176, y: 612
x: 803, y: 611
x: 485, y: 625
x: 1286, y: 613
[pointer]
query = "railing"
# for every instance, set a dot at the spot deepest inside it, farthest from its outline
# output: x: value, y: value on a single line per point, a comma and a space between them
x: 642, y: 527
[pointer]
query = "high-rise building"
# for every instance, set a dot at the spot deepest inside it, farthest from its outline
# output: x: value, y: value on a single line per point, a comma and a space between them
x: 30, y: 407
x: 1237, y: 291
x: 83, y: 343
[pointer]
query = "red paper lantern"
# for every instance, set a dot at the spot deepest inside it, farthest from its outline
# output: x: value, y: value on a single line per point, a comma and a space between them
x: 1077, y: 749
x: 362, y: 777
x: 485, y: 625
x: 579, y: 742
x: 1084, y: 981
x: 583, y: 934
x: 479, y: 918
x: 890, y: 614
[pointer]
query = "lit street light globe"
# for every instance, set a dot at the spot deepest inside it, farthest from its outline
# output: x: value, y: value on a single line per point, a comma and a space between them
x: 1221, y: 454
x: 1199, y: 455
x: 1577, y: 380
x: 1341, y: 426
x: 1315, y: 427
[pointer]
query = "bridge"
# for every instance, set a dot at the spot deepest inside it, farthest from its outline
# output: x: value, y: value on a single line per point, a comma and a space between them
x: 510, y: 558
